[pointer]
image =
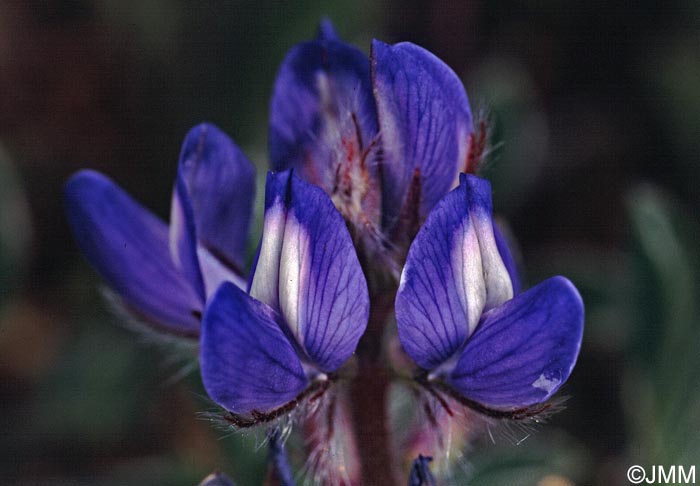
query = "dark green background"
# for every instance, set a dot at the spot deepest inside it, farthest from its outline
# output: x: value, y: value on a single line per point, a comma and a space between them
x: 595, y: 110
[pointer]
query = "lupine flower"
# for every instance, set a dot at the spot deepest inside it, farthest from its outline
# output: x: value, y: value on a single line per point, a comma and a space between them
x: 385, y: 137
x: 372, y: 162
x: 262, y: 352
x: 164, y: 274
x: 460, y: 321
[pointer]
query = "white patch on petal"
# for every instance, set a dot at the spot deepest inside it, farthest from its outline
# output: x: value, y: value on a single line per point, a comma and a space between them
x: 264, y: 286
x: 499, y: 288
x: 294, y: 266
x: 177, y: 219
x: 402, y: 280
x: 481, y: 276
x: 215, y: 273
x: 546, y: 384
x: 467, y: 267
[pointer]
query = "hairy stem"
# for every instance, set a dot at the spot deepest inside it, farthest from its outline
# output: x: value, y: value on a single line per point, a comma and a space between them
x: 368, y: 395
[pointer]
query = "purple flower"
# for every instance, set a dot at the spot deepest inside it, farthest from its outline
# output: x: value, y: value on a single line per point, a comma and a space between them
x: 164, y: 274
x: 385, y: 137
x: 460, y: 320
x: 307, y: 308
x: 371, y: 163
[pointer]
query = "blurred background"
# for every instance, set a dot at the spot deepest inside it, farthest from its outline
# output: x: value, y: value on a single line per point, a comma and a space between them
x: 595, y: 110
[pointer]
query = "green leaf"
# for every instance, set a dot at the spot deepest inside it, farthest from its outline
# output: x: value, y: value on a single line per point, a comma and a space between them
x: 545, y: 459
x: 662, y: 395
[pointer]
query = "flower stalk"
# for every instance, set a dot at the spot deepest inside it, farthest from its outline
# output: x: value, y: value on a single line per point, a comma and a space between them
x: 369, y: 396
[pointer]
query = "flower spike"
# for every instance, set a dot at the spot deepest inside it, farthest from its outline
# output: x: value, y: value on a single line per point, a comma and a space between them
x: 367, y: 156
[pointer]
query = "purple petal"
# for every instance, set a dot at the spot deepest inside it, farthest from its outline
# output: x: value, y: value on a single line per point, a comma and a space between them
x: 129, y: 246
x: 264, y: 284
x: 499, y: 287
x: 442, y: 290
x: 424, y: 121
x: 322, y: 112
x: 247, y: 362
x: 308, y: 254
x: 524, y: 350
x: 326, y: 31
x: 183, y: 237
x: 220, y: 181
x: 453, y: 272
